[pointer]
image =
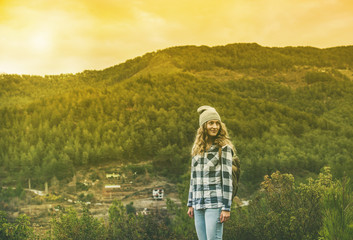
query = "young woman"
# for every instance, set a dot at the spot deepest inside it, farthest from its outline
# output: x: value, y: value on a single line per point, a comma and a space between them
x: 210, y: 194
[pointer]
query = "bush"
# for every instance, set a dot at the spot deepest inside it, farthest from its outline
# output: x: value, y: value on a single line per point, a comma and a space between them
x: 81, y: 187
x: 20, y: 229
x: 68, y: 225
x: 94, y: 176
x: 281, y: 210
x: 122, y: 225
x: 313, y: 77
x: 130, y: 209
x: 86, y: 198
x: 338, y: 212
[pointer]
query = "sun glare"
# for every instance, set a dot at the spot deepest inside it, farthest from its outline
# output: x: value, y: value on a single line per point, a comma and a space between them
x: 41, y: 42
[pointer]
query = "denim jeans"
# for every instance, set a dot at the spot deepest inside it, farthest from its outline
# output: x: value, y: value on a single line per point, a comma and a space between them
x: 207, y: 223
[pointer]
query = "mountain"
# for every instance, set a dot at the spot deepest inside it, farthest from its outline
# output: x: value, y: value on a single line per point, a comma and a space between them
x: 286, y: 109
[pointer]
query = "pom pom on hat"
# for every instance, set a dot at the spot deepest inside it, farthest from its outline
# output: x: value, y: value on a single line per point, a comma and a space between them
x: 207, y: 113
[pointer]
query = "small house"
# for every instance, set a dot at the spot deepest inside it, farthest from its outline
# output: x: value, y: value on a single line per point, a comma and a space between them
x: 112, y: 175
x: 112, y: 187
x: 157, y: 194
x: 110, y: 190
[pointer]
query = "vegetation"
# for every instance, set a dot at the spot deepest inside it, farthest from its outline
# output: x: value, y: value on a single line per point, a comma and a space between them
x: 338, y: 211
x: 69, y: 225
x: 319, y: 209
x: 285, y: 211
x: 287, y: 110
x: 282, y: 211
x: 20, y: 229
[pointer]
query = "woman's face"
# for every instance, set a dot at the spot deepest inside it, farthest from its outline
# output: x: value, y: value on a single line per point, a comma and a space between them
x: 213, y: 127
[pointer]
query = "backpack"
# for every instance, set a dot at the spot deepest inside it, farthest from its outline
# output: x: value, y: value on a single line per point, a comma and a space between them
x: 235, y: 171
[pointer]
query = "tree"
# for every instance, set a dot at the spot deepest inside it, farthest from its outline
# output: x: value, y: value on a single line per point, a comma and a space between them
x: 68, y: 225
x: 120, y: 223
x: 20, y: 229
x: 130, y: 209
x: 282, y: 210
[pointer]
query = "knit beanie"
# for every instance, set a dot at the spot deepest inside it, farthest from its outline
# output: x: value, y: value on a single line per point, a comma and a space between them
x: 207, y: 113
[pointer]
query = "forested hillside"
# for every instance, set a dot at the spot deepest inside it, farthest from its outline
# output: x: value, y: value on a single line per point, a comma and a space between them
x: 287, y: 109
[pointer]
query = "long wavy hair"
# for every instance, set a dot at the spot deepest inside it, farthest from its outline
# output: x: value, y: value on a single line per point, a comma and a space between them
x: 201, y: 139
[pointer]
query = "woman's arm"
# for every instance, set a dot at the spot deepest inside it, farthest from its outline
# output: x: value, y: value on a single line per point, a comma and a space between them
x: 191, y: 184
x: 190, y: 192
x: 227, y: 180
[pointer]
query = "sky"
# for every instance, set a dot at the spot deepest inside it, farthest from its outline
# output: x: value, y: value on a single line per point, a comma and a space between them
x: 44, y: 37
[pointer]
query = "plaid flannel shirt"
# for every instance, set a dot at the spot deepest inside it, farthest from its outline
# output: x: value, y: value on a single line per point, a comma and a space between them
x: 208, y: 187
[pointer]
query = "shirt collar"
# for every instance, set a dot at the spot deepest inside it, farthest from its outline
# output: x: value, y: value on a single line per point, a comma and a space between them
x: 212, y: 148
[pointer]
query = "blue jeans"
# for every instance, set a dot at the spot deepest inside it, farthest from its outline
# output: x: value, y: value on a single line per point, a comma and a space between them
x: 207, y: 223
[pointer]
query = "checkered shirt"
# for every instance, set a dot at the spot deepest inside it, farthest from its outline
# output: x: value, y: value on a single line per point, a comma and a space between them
x: 206, y: 188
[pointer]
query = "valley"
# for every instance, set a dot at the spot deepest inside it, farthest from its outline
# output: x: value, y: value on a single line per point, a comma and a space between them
x: 89, y: 188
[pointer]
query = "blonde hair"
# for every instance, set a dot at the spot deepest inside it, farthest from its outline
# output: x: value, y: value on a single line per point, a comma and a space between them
x: 201, y: 139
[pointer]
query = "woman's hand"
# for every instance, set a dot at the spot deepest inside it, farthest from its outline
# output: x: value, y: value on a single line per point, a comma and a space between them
x: 191, y: 212
x: 225, y: 215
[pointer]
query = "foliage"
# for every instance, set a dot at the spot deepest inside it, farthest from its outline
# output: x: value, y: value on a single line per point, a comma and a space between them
x: 18, y: 230
x: 52, y: 197
x: 287, y: 109
x: 182, y: 225
x: 130, y: 209
x: 137, y: 168
x: 156, y: 225
x: 314, y: 77
x: 68, y: 225
x: 338, y: 212
x: 81, y: 186
x: 282, y: 210
x: 318, y: 209
x: 6, y: 194
x: 124, y: 224
x: 86, y: 198
x: 94, y: 176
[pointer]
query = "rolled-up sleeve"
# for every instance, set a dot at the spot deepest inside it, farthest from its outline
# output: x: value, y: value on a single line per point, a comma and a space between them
x: 227, y: 180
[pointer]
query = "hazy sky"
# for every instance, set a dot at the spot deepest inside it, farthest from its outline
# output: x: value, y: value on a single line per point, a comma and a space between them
x: 69, y: 36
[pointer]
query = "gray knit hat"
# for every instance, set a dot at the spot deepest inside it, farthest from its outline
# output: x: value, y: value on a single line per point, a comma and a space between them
x: 207, y: 113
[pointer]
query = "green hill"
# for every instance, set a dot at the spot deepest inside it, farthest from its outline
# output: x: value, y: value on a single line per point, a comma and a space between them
x: 287, y: 109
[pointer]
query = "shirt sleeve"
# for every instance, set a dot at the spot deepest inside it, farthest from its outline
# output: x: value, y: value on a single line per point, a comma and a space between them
x: 191, y: 185
x: 190, y: 192
x: 227, y: 180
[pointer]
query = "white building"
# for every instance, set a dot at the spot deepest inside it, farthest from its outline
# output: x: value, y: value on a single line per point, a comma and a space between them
x: 157, y: 194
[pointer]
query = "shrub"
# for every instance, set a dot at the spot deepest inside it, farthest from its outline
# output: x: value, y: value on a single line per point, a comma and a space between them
x: 338, y: 212
x: 281, y: 210
x: 20, y: 229
x: 313, y: 77
x: 68, y: 225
